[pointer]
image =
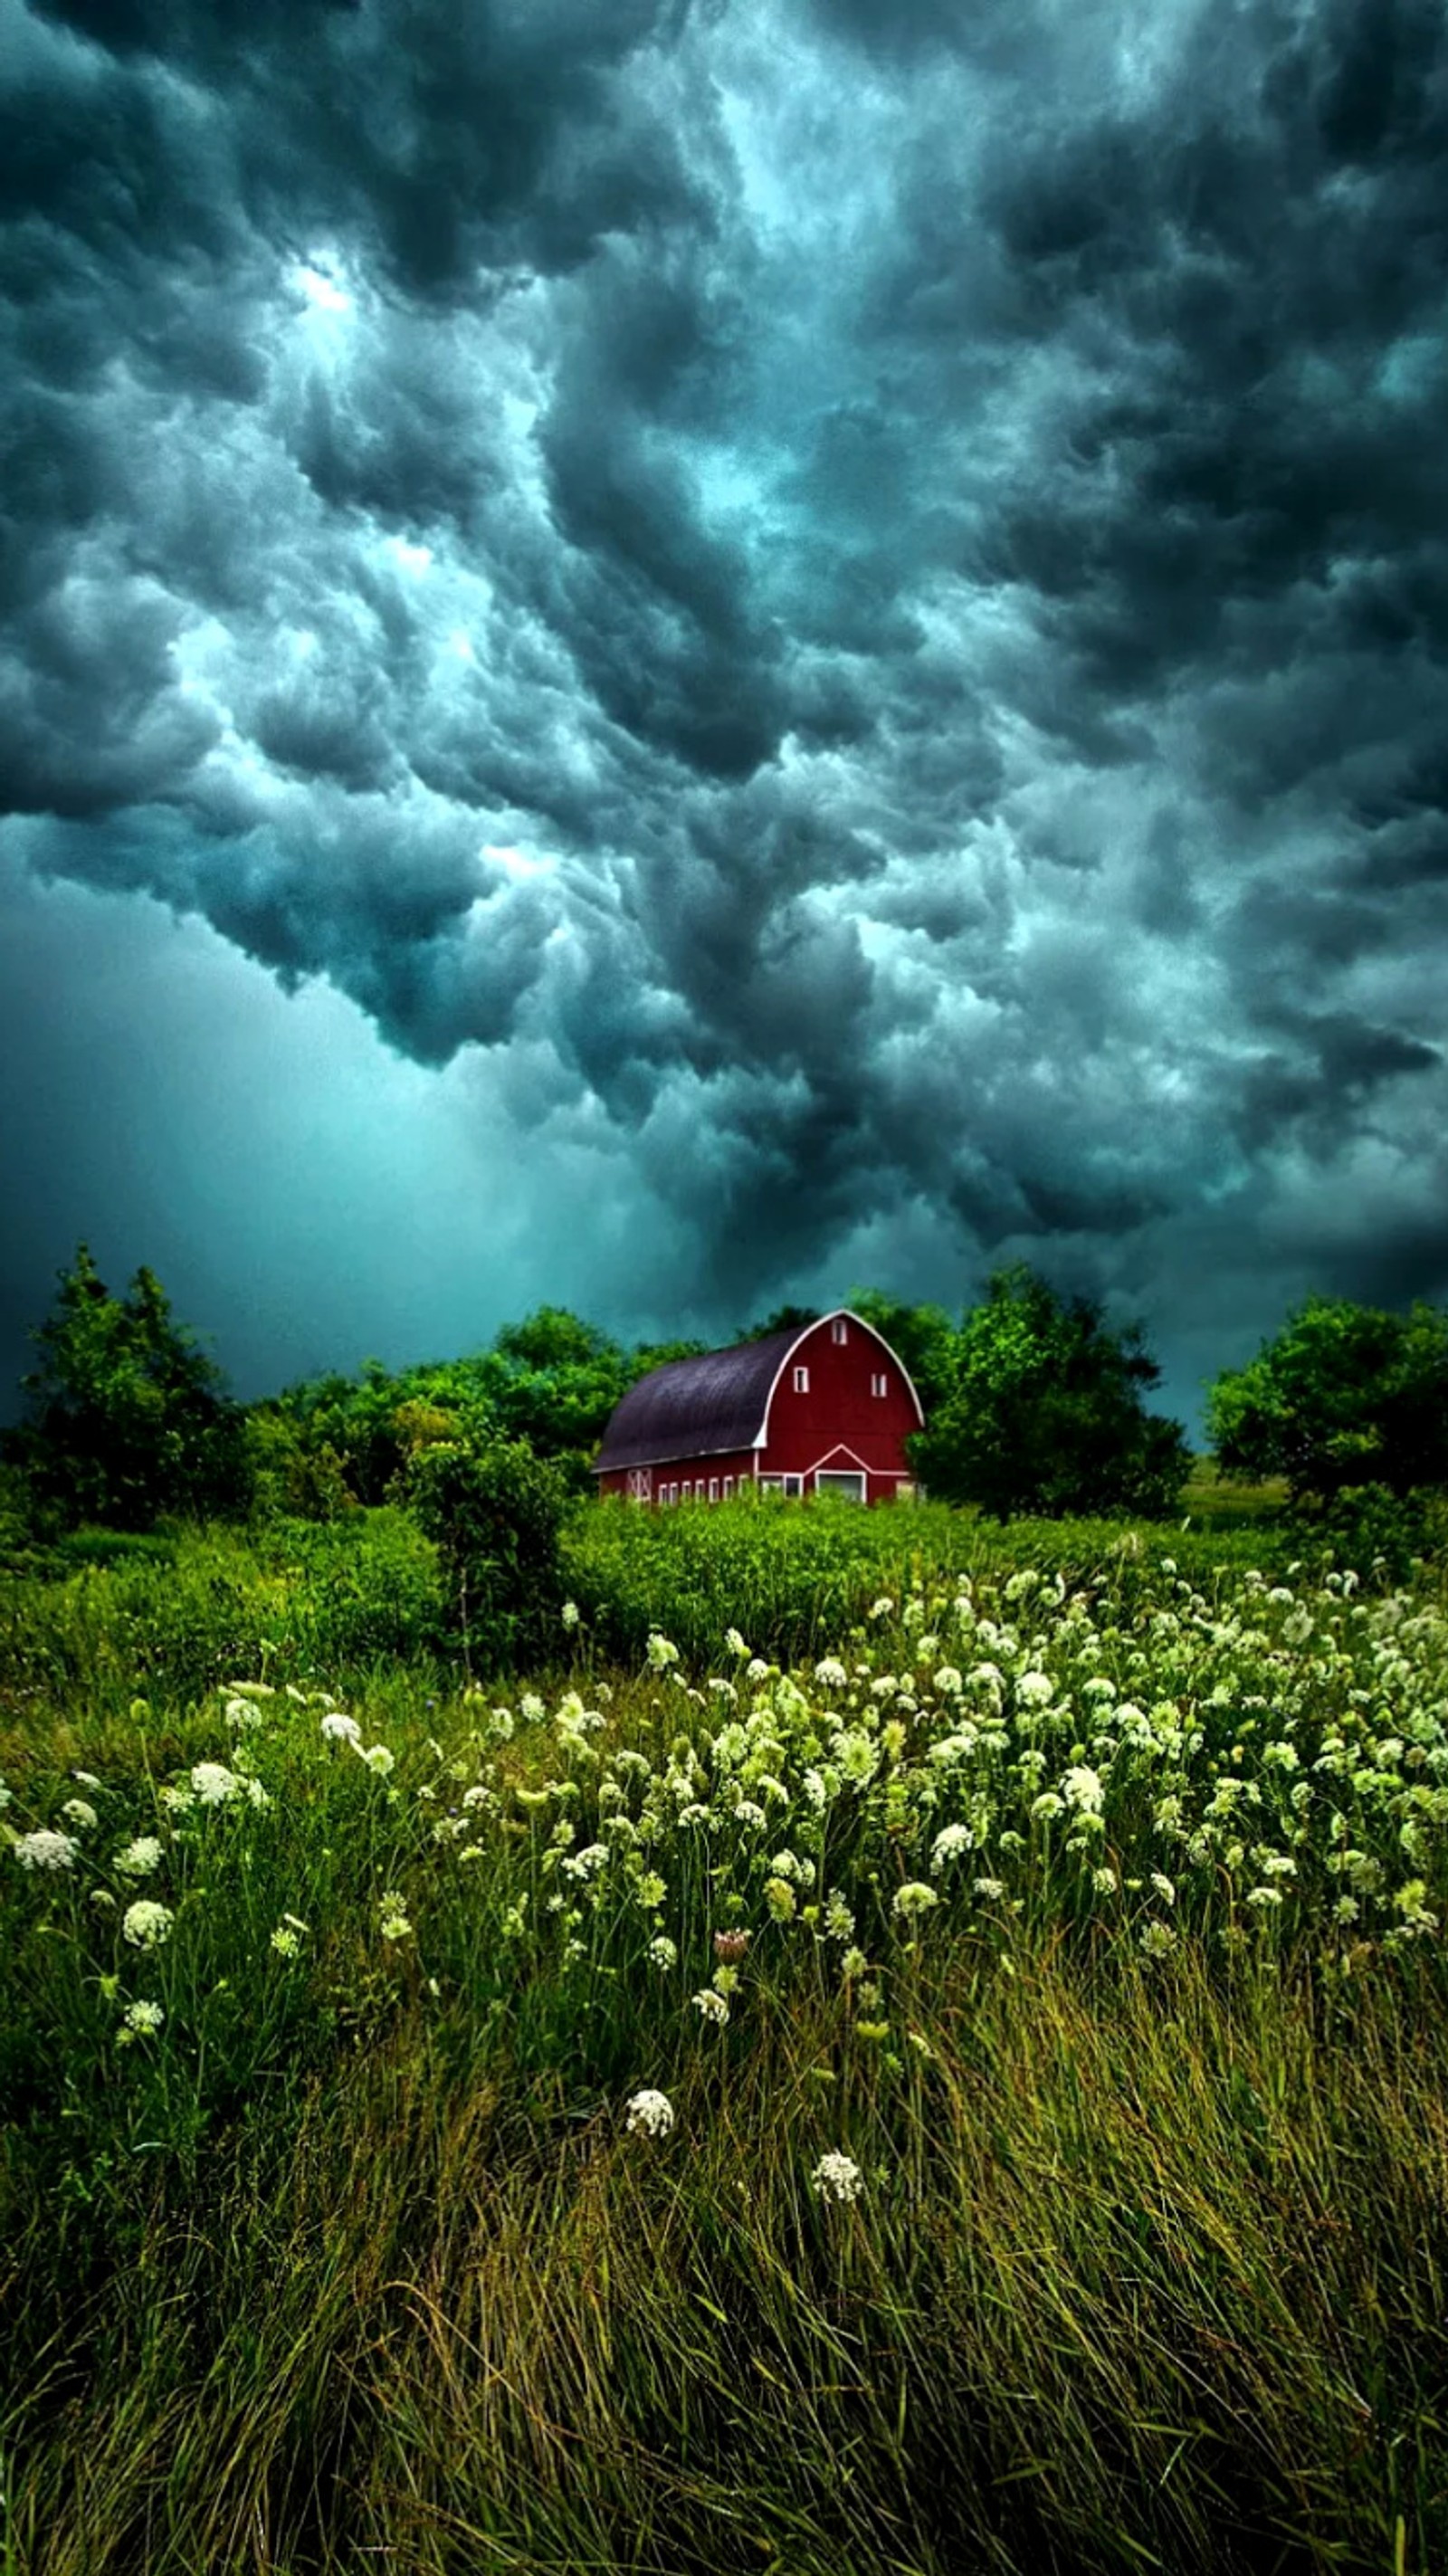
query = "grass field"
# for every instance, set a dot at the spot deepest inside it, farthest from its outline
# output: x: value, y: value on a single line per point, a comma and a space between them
x: 948, y: 2075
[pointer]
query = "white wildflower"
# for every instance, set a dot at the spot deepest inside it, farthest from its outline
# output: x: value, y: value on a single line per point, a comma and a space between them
x: 652, y: 2112
x: 661, y: 1651
x: 80, y: 1813
x: 144, y: 2018
x: 914, y: 1899
x: 837, y: 2178
x: 214, y: 1784
x: 1035, y: 1689
x: 569, y: 1614
x: 340, y: 1729
x: 1082, y: 1789
x: 948, y: 1845
x: 714, y: 2007
x: 46, y: 1850
x: 379, y: 1758
x: 146, y: 1924
x: 830, y: 1673
x: 662, y: 1952
x: 139, y: 1857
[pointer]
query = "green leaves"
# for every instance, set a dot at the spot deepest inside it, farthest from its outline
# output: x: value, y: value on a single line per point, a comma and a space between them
x: 128, y: 1418
x: 1345, y: 1396
x: 1043, y: 1411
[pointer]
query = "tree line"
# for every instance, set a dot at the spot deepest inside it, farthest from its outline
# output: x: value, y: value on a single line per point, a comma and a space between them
x: 1034, y: 1403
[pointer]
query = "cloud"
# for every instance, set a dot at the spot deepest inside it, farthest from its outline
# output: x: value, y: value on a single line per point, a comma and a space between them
x: 920, y: 527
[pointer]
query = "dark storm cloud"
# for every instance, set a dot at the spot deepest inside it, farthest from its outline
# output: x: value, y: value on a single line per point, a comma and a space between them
x: 862, y: 584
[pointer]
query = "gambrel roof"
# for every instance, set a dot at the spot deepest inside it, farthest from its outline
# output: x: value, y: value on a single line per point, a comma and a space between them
x: 706, y: 1407
x: 697, y: 1408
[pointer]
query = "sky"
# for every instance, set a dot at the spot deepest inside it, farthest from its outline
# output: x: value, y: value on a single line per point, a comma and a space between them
x: 672, y: 655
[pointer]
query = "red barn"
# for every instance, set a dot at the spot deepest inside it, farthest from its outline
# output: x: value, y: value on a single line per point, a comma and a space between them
x: 819, y: 1407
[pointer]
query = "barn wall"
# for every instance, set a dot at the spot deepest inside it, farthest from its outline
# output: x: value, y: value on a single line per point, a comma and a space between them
x: 737, y: 1463
x: 840, y: 1411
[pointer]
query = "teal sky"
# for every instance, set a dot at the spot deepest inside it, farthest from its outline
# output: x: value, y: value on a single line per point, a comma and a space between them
x: 672, y: 655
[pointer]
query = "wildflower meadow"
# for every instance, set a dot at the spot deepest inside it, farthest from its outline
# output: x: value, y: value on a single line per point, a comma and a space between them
x: 969, y: 2094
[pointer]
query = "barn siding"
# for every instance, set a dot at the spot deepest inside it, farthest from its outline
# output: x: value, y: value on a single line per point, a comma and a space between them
x: 840, y: 1412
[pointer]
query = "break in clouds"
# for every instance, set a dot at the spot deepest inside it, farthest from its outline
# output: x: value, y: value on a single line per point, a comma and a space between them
x: 861, y: 585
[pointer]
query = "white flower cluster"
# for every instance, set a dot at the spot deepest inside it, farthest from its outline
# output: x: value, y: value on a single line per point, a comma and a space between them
x: 652, y: 2112
x: 838, y: 2178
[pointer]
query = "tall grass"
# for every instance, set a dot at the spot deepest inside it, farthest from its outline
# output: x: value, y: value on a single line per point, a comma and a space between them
x: 354, y: 2259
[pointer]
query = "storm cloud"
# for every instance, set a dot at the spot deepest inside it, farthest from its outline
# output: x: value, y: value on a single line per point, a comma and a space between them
x: 854, y: 593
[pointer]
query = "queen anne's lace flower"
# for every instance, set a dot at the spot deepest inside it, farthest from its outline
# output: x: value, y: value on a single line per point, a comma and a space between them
x: 139, y: 1857
x: 147, y: 1924
x: 144, y: 2018
x: 838, y: 2178
x: 949, y: 1844
x: 214, y: 1784
x: 340, y: 1729
x: 714, y: 2007
x: 46, y: 1850
x: 914, y: 1899
x: 652, y: 2112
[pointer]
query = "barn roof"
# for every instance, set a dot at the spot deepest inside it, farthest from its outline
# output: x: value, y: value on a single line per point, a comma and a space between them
x: 697, y: 1408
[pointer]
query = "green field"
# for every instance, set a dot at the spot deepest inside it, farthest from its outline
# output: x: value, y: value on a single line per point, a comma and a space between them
x: 1034, y: 1936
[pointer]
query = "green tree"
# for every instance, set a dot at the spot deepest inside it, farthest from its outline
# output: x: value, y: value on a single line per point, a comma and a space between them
x: 127, y: 1418
x: 495, y: 1512
x: 1045, y: 1414
x: 1345, y: 1395
x: 785, y: 1319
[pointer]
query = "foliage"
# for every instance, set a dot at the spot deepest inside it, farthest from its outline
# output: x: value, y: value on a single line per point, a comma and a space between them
x: 101, y: 1612
x: 785, y: 1319
x: 552, y: 1380
x: 1045, y: 1412
x: 1345, y: 1395
x: 495, y: 1512
x: 127, y: 1418
x: 1098, y: 1938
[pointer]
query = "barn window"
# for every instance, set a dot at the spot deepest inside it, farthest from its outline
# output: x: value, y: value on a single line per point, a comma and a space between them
x: 688, y: 1489
x: 879, y: 1383
x: 794, y: 1484
x: 713, y: 1489
x: 834, y: 1480
x: 673, y: 1493
x: 801, y: 1381
x: 728, y: 1489
x: 839, y: 1330
x: 774, y: 1482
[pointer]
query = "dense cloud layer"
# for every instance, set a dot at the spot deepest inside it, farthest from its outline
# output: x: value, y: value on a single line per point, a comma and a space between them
x: 860, y: 585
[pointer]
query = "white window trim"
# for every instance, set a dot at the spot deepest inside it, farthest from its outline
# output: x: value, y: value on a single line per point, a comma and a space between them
x: 839, y: 1329
x: 801, y: 1381
x: 827, y: 1478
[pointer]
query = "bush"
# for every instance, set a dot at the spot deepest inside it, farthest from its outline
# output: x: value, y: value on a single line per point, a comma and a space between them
x: 495, y: 1512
